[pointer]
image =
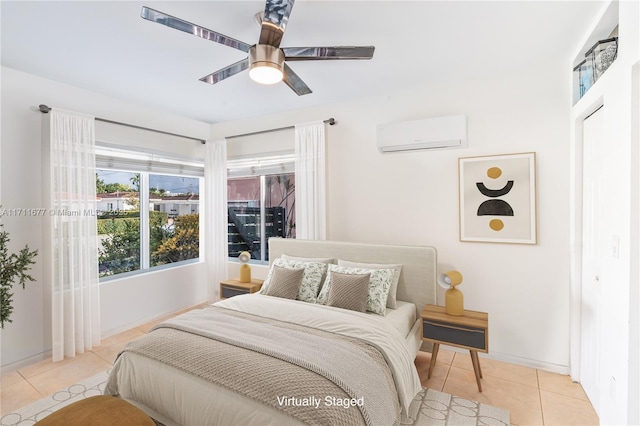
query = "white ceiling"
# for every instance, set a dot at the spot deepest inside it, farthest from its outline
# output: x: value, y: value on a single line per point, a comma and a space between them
x: 106, y: 47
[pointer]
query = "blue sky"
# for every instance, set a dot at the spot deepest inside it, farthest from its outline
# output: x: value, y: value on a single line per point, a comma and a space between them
x: 173, y: 184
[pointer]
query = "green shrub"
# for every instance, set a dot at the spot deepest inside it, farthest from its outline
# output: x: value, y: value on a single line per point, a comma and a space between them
x: 13, y: 270
x: 183, y: 244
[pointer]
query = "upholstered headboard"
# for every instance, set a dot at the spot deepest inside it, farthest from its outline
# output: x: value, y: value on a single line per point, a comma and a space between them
x: 418, y: 279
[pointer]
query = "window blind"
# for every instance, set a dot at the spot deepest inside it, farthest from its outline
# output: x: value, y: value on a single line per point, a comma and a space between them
x: 110, y: 156
x: 268, y: 165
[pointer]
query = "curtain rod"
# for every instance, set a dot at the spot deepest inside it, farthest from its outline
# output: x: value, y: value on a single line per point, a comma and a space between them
x: 331, y: 121
x: 45, y: 109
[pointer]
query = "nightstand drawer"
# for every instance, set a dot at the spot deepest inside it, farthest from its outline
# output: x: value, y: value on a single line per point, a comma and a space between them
x: 230, y: 288
x: 468, y: 337
x: 229, y: 291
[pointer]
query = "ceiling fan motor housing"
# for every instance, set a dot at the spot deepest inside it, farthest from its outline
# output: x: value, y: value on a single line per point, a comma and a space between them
x: 264, y: 55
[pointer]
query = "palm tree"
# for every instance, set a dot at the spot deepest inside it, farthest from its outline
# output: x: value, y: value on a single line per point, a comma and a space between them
x: 135, y: 181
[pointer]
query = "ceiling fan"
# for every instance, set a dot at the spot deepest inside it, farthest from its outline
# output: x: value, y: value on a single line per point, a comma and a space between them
x: 266, y: 60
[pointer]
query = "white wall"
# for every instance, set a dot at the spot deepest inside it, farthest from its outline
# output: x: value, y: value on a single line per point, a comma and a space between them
x: 126, y: 301
x: 129, y: 302
x: 411, y: 198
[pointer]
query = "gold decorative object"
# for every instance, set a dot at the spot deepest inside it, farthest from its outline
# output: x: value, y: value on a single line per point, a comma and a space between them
x: 245, y: 269
x: 453, y: 298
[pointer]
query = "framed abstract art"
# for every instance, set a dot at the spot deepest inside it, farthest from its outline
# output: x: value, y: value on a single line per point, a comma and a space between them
x: 498, y: 198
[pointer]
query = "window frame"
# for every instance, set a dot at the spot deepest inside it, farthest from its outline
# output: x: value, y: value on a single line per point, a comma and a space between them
x: 145, y: 163
x: 260, y: 166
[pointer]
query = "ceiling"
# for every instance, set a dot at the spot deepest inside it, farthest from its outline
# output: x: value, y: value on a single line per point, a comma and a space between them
x: 105, y: 46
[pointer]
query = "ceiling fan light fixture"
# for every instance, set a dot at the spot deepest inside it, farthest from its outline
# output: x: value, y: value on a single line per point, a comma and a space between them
x: 266, y: 64
x: 265, y: 74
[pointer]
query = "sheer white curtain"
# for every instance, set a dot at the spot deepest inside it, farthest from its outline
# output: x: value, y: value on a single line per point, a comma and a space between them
x: 310, y: 181
x: 74, y: 254
x: 216, y: 228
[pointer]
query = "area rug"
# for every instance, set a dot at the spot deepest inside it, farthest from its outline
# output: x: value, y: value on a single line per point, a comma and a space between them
x: 442, y: 409
x: 433, y: 408
x: 38, y: 410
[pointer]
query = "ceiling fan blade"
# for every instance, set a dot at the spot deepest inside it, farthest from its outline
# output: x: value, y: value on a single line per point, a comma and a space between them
x: 226, y: 72
x: 327, y: 53
x: 274, y: 21
x: 296, y: 84
x: 198, y: 31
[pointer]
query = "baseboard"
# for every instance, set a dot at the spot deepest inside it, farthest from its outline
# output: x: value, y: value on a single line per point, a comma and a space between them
x: 26, y: 362
x: 531, y: 363
x: 524, y: 362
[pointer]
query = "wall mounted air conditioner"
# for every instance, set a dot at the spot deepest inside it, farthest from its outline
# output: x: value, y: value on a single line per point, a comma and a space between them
x: 429, y: 133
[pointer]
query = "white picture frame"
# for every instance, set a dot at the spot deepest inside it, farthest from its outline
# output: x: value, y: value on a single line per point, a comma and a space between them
x: 497, y: 196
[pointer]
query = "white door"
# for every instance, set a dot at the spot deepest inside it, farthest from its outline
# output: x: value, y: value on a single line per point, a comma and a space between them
x: 592, y: 250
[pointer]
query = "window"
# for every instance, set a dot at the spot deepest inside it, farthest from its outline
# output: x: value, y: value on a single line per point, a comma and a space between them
x: 118, y: 209
x: 145, y: 219
x: 173, y: 219
x: 261, y: 204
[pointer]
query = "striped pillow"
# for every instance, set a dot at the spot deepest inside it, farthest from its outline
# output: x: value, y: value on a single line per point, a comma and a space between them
x: 349, y: 291
x: 285, y: 282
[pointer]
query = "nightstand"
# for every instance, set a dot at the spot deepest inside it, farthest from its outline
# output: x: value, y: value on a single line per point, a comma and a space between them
x: 468, y: 331
x: 230, y: 288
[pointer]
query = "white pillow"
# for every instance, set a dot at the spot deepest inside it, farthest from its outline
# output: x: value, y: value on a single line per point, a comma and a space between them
x: 391, y: 300
x: 309, y: 259
x: 311, y: 280
x: 379, y: 285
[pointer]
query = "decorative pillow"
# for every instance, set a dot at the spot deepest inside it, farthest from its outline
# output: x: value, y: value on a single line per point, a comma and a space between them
x: 311, y: 279
x: 326, y: 260
x: 379, y: 285
x: 349, y: 291
x: 285, y: 282
x: 391, y: 300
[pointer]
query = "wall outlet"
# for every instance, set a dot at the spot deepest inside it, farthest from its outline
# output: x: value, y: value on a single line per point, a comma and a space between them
x: 615, y: 247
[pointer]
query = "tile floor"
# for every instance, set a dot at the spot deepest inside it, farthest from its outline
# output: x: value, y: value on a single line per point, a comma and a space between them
x: 533, y: 397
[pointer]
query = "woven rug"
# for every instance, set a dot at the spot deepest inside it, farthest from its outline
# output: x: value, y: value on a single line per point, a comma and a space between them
x: 435, y: 408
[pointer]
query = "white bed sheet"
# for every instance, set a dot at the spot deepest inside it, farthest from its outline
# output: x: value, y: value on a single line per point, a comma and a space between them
x: 403, y: 317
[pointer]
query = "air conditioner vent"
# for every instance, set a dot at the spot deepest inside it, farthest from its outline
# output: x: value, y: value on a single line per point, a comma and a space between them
x: 430, y: 133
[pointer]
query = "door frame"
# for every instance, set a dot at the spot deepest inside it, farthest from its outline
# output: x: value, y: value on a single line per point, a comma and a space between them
x: 590, y: 376
x: 575, y: 236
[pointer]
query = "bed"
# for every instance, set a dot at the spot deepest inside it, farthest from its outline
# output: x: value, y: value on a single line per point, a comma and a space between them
x: 259, y: 359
